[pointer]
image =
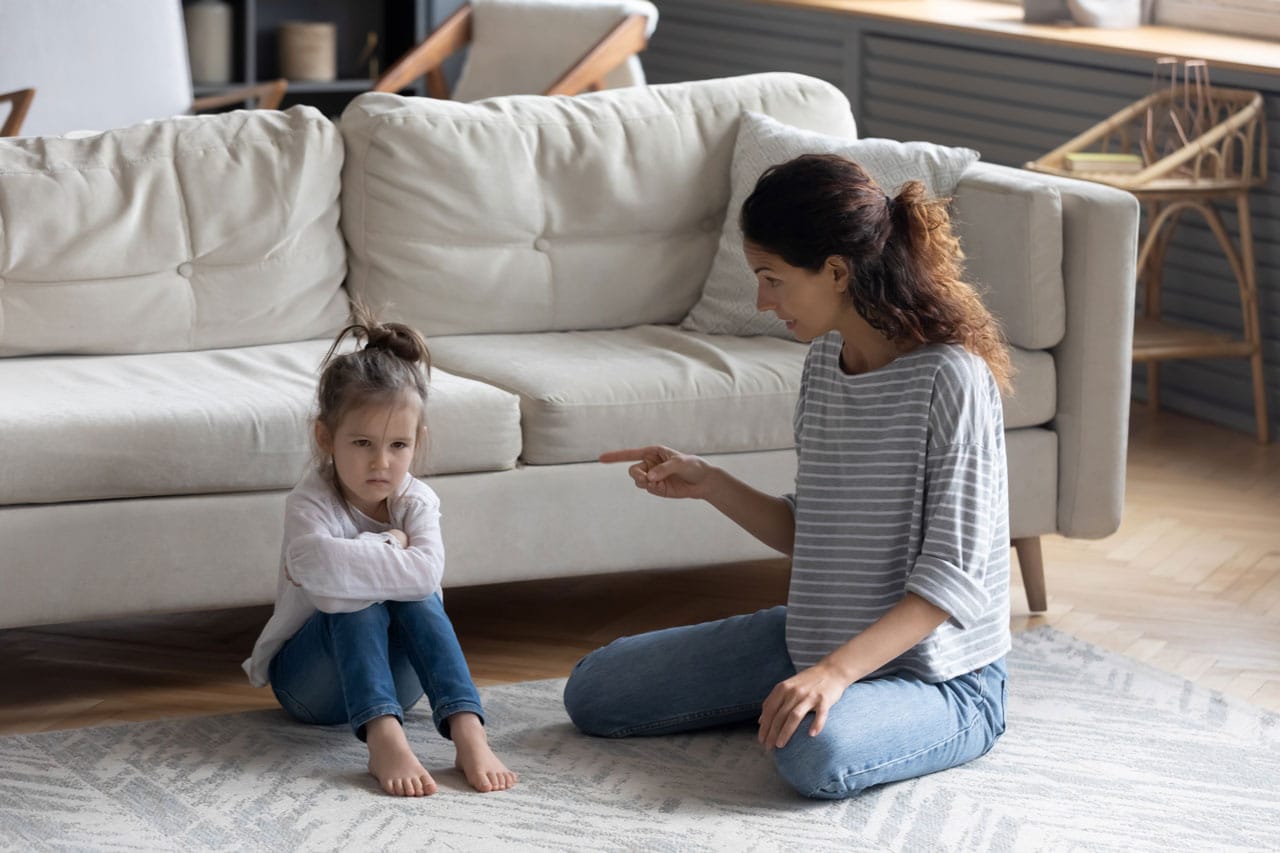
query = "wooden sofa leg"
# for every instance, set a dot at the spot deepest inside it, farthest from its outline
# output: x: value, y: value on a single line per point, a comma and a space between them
x: 1031, y: 562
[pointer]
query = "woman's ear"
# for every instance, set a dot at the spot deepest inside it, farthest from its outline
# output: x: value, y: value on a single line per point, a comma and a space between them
x: 838, y: 268
x: 323, y: 440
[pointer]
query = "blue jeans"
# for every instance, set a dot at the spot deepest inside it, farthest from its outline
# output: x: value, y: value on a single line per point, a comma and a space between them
x: 352, y: 667
x: 882, y: 730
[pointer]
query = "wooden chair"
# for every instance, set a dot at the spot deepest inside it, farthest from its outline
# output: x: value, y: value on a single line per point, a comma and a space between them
x: 549, y: 47
x: 265, y: 96
x: 20, y: 102
x: 102, y: 64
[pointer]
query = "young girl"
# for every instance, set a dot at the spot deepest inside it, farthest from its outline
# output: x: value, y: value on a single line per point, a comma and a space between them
x: 888, y: 660
x: 359, y: 628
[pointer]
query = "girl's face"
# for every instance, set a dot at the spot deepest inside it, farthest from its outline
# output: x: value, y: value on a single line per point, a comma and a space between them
x: 810, y: 303
x: 372, y: 450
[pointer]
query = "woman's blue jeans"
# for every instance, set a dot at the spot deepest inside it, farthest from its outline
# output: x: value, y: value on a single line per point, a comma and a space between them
x: 352, y: 667
x: 882, y: 729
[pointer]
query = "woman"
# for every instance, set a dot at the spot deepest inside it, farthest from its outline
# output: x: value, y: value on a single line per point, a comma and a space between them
x: 887, y: 661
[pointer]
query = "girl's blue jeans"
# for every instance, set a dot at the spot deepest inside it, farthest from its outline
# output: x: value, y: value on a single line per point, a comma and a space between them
x: 882, y: 729
x: 352, y: 667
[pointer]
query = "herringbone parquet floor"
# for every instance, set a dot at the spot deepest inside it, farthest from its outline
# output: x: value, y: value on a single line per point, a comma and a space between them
x: 1190, y: 583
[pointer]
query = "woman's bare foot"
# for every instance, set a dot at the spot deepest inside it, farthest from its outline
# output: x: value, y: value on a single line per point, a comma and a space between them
x: 484, y: 771
x: 392, y: 762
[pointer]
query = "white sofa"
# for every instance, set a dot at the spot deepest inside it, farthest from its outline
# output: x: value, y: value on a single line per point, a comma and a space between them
x: 167, y: 291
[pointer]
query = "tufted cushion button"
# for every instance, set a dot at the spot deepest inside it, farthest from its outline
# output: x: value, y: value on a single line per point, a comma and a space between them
x: 185, y: 269
x: 542, y: 244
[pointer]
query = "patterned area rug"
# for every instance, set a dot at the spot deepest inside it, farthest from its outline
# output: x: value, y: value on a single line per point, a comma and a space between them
x: 1101, y: 752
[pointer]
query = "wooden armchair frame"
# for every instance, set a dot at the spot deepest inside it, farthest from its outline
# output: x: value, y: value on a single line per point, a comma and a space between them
x: 268, y: 94
x: 20, y: 101
x: 587, y: 74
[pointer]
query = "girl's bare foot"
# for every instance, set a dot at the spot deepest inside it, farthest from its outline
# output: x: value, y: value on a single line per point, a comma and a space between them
x: 484, y: 771
x: 392, y: 762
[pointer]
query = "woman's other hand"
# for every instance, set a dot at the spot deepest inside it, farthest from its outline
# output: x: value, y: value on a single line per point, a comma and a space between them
x: 665, y: 472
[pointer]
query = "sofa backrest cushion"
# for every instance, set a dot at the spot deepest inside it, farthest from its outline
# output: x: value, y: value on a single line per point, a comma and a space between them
x: 183, y: 234
x: 548, y: 214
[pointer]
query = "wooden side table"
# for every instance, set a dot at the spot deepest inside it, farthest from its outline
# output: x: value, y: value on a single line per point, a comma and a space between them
x: 1220, y: 165
x: 1154, y: 339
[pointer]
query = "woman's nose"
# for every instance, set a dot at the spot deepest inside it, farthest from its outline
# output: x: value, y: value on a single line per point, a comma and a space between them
x: 763, y: 300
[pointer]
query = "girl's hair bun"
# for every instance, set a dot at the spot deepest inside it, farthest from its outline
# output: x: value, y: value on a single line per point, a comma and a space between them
x: 396, y: 338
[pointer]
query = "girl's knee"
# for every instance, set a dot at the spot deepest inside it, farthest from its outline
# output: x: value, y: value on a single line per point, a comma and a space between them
x: 376, y: 612
x: 432, y: 605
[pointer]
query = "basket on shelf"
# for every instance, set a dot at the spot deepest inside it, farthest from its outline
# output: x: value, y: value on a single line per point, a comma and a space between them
x: 1179, y: 138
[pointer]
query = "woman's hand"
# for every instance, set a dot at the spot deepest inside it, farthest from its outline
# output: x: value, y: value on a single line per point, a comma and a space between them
x: 815, y: 689
x: 399, y: 536
x: 665, y: 472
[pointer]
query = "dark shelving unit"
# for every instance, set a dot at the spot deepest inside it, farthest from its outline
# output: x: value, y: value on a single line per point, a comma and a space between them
x: 399, y: 25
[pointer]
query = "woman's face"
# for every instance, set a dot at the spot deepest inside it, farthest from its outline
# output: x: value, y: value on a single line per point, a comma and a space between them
x: 810, y: 303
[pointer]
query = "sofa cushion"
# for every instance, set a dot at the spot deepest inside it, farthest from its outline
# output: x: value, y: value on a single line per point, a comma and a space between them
x: 1035, y: 389
x: 728, y: 302
x: 79, y: 428
x: 183, y: 234
x: 582, y: 393
x: 538, y: 214
x: 1011, y: 231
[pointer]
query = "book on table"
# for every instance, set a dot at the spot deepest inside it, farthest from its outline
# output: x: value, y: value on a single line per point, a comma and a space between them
x: 1095, y: 161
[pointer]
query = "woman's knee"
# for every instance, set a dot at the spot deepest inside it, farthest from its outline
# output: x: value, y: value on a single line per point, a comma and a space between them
x: 816, y: 766
x: 588, y: 694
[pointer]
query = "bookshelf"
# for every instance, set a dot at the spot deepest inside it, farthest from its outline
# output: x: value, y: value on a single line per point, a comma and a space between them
x: 398, y: 25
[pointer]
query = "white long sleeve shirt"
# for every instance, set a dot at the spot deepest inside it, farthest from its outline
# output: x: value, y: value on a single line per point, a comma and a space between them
x: 336, y: 559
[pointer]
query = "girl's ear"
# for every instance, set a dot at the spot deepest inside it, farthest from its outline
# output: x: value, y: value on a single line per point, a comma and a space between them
x: 323, y: 440
x: 838, y: 267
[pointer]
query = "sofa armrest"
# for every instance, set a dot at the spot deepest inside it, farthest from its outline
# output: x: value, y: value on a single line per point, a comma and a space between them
x: 1093, y: 360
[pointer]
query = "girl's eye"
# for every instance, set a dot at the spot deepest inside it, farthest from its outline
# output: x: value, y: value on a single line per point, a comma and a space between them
x: 361, y: 442
x: 399, y: 445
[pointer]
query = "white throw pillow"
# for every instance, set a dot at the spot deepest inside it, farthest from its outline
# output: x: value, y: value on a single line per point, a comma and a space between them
x: 728, y: 303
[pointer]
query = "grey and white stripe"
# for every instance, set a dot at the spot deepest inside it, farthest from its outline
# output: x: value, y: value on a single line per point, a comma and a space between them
x: 901, y: 487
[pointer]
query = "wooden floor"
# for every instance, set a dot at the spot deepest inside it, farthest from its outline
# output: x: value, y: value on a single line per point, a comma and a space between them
x: 1190, y: 584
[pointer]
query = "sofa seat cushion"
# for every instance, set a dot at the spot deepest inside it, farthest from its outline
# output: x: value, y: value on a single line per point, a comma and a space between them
x: 1035, y: 389
x: 582, y: 393
x: 185, y: 423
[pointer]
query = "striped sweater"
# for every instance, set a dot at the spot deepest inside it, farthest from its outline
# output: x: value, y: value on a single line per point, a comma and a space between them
x: 901, y: 487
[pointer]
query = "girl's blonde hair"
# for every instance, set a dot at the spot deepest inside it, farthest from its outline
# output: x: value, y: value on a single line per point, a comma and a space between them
x: 392, y: 364
x: 906, y: 265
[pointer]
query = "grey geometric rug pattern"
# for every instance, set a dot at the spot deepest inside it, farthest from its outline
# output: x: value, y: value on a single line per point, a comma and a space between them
x: 1101, y: 753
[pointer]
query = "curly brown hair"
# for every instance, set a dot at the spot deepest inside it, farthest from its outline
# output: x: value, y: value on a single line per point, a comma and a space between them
x: 906, y: 266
